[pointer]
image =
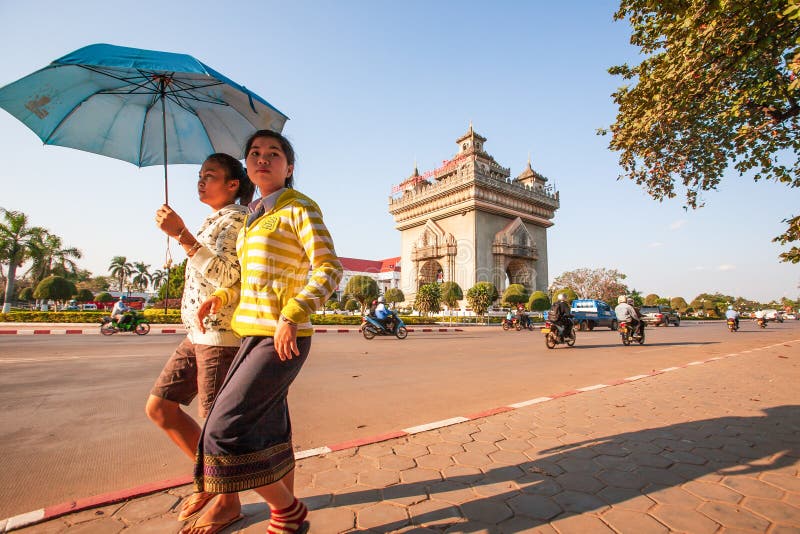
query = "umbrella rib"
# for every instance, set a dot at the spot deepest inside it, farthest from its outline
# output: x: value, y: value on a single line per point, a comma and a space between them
x: 129, y: 80
x: 141, y: 138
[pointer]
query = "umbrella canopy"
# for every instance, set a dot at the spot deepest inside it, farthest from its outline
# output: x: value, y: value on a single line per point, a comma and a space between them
x: 141, y: 106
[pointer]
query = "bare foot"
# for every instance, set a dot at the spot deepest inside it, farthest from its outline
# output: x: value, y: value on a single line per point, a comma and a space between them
x: 193, y: 505
x: 222, y: 512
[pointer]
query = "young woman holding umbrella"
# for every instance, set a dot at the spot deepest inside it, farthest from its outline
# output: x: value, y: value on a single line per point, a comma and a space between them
x: 198, y: 365
x: 246, y: 442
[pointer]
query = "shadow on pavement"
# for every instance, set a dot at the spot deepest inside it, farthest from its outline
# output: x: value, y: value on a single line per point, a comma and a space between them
x: 634, y: 345
x: 588, y: 476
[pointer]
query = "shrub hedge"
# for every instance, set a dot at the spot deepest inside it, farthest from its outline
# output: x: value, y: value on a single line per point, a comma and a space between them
x: 157, y: 316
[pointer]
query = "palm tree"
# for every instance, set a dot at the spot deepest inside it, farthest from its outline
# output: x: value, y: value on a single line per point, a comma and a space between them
x: 157, y: 278
x: 121, y: 270
x: 142, y: 276
x: 49, y: 258
x: 15, y: 246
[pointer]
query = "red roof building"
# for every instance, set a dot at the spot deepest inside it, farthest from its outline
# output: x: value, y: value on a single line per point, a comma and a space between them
x: 385, y: 272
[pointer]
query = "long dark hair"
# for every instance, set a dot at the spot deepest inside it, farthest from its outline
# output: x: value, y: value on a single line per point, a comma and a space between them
x: 234, y: 170
x: 288, y: 150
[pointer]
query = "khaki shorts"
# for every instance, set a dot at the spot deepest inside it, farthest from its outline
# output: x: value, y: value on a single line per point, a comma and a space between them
x: 194, y: 370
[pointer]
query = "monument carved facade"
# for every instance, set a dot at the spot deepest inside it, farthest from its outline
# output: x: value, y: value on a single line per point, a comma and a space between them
x: 468, y: 221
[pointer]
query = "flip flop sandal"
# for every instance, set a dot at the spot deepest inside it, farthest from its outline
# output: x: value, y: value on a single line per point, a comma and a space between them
x: 216, y: 526
x: 198, y: 500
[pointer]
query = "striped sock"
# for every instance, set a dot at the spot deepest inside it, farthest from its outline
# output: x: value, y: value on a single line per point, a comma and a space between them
x: 288, y: 520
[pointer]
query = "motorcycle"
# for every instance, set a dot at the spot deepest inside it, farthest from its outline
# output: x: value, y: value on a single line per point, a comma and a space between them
x: 515, y: 324
x: 762, y: 322
x: 554, y: 334
x: 628, y: 333
x: 136, y: 324
x: 393, y: 326
x: 732, y: 325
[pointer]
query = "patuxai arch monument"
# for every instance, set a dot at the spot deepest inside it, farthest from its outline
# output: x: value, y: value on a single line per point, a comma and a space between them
x: 468, y: 221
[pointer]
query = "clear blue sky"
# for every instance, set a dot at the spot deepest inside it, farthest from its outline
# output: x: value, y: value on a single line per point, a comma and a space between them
x: 373, y: 86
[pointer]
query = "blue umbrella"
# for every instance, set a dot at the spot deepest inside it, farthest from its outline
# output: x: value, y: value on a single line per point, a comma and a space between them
x: 141, y: 106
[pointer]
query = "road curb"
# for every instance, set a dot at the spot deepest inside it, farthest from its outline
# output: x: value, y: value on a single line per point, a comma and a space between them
x: 50, y: 331
x: 53, y: 512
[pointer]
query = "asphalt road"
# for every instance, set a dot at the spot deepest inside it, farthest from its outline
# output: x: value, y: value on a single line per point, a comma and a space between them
x: 72, y: 407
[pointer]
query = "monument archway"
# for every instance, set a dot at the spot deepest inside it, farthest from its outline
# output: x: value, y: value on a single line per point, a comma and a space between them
x: 430, y: 271
x: 519, y: 272
x: 471, y: 219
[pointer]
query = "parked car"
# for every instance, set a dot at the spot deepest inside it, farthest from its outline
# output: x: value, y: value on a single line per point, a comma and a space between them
x: 89, y: 307
x: 773, y: 315
x: 660, y: 315
x: 791, y: 316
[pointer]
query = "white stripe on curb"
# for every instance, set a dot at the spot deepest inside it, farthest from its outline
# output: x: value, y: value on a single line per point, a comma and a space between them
x: 435, y: 424
x: 23, y: 520
x: 592, y: 388
x: 634, y: 378
x: 311, y: 452
x: 537, y: 400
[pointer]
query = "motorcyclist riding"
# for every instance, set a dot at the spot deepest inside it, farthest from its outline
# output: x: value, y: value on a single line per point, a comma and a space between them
x: 522, y: 317
x: 559, y: 315
x: 121, y: 312
x: 732, y: 314
x: 627, y: 313
x: 382, y: 314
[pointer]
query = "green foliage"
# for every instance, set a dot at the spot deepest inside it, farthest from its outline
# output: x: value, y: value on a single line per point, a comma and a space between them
x: 429, y: 298
x: 120, y: 269
x: 539, y: 301
x: 362, y: 288
x: 394, y: 295
x: 152, y: 316
x: 515, y: 294
x: 84, y: 295
x: 451, y: 294
x: 141, y: 275
x: 175, y: 285
x: 50, y: 257
x: 481, y: 296
x: 651, y: 300
x: 16, y: 245
x: 55, y: 288
x: 352, y: 305
x: 718, y: 86
x: 638, y: 300
x: 678, y: 303
x: 568, y: 293
x: 26, y: 294
x: 104, y: 297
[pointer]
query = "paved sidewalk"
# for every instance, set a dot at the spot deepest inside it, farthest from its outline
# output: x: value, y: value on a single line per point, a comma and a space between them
x: 712, y: 446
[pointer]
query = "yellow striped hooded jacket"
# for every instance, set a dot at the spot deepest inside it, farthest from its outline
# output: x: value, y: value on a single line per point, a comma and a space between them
x: 276, y: 253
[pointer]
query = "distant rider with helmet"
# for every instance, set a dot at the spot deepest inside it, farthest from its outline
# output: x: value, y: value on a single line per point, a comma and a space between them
x: 522, y: 317
x: 121, y: 311
x: 627, y: 313
x: 382, y: 314
x: 560, y: 315
x: 732, y: 314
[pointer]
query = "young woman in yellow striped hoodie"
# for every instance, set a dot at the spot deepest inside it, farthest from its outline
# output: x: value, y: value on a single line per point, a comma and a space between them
x: 289, y: 269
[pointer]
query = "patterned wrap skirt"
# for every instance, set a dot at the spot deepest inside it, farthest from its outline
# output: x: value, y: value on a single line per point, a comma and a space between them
x: 246, y: 441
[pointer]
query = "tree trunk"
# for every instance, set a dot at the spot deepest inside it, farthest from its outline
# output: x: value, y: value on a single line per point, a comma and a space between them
x: 12, y: 272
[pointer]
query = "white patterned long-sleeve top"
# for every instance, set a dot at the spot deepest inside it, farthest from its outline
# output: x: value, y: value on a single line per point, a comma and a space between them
x: 214, y: 265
